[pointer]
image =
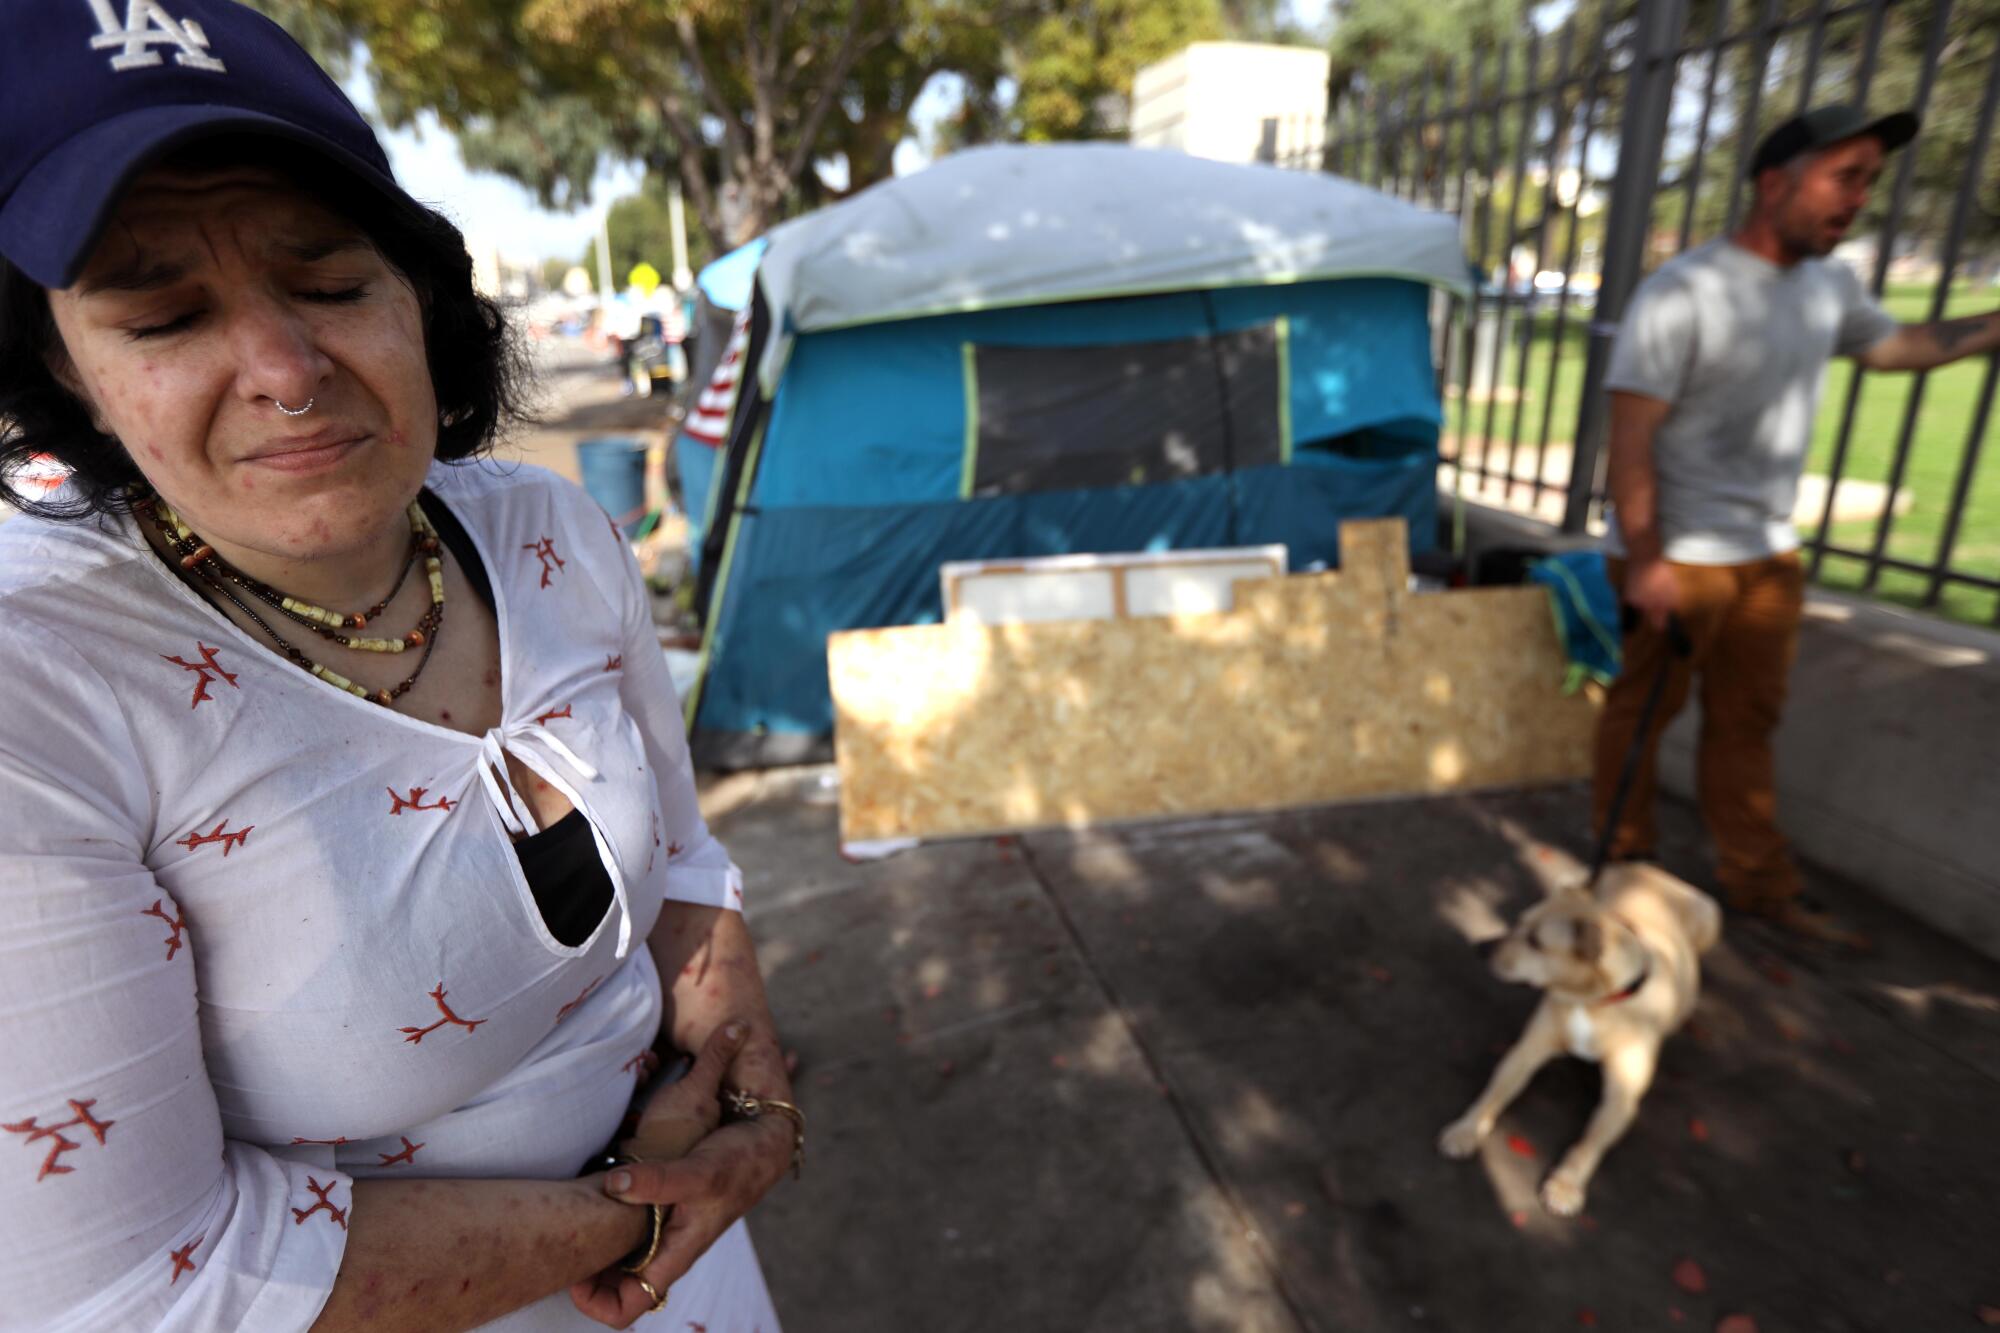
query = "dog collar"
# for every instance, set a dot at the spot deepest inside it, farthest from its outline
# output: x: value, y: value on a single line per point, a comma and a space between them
x: 1645, y: 973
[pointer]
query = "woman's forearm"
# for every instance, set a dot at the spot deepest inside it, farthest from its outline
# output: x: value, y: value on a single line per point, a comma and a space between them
x: 437, y: 1255
x: 709, y: 973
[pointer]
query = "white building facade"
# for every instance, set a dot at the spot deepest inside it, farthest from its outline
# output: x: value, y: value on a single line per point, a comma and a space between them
x: 1234, y: 102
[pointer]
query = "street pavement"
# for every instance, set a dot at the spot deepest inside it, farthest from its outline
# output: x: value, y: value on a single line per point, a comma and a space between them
x: 1188, y: 1076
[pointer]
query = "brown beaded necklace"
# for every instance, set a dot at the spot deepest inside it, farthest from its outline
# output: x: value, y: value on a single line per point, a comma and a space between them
x: 200, y: 559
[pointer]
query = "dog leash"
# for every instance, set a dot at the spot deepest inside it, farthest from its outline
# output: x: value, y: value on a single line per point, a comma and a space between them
x: 1678, y: 645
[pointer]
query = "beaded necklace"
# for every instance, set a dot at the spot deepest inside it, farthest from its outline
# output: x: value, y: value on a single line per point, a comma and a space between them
x: 200, y: 559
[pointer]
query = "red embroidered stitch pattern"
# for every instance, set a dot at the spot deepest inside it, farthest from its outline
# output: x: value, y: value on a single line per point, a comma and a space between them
x: 407, y: 1156
x: 174, y: 923
x: 567, y: 1009
x: 183, y: 1264
x: 416, y: 1035
x: 228, y: 840
x: 319, y: 1192
x: 545, y: 551
x: 614, y: 662
x: 560, y: 712
x: 80, y: 1115
x: 635, y: 1065
x: 415, y: 801
x: 202, y: 668
x: 674, y: 849
x: 330, y: 1143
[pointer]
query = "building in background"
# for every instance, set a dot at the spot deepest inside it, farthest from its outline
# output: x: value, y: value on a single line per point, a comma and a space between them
x: 1234, y: 102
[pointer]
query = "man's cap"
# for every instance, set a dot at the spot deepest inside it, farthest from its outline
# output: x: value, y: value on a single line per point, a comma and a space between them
x: 99, y: 89
x: 1824, y: 125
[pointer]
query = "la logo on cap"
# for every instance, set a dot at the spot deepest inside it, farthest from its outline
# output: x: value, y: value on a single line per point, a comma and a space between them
x: 147, y: 25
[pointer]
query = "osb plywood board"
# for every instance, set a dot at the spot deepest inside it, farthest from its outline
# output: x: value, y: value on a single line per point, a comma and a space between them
x: 1315, y: 688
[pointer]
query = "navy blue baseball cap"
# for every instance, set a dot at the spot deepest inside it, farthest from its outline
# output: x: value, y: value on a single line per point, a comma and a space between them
x: 98, y: 89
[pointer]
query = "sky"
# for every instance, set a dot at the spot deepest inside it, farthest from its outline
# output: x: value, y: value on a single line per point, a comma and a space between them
x: 493, y: 210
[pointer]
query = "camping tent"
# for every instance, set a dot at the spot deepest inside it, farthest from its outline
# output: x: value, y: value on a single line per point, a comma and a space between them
x: 1025, y: 351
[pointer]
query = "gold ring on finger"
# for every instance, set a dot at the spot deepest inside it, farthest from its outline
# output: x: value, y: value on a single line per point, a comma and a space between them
x: 659, y: 1296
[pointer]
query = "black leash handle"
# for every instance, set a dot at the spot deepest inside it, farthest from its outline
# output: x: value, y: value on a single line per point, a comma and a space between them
x: 1679, y: 645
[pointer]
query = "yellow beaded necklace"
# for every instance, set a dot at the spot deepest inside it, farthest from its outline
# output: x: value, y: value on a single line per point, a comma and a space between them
x: 200, y: 559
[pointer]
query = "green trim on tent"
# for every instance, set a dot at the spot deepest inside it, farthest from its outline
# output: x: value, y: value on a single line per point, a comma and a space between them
x: 792, y: 335
x: 1284, y: 328
x: 969, y: 359
x: 709, y: 643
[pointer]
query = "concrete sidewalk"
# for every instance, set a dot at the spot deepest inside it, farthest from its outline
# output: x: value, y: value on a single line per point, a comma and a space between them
x: 1189, y: 1076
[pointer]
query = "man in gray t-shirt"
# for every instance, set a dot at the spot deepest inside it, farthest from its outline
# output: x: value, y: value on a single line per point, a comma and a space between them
x: 1714, y: 381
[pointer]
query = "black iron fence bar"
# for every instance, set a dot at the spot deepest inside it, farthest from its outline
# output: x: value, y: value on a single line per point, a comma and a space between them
x: 1443, y: 126
x: 1871, y: 46
x: 1885, y: 244
x: 1815, y: 47
x: 1701, y: 130
x: 1961, y: 489
x: 1771, y: 27
x: 1565, y: 44
x: 1420, y: 149
x: 1505, y: 299
x: 1746, y: 123
x: 1560, y: 329
x: 1961, y: 211
x: 1468, y: 310
x: 1648, y: 98
x: 1922, y: 567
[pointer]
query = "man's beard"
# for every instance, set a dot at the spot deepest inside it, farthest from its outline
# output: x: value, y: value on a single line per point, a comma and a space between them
x: 1814, y: 241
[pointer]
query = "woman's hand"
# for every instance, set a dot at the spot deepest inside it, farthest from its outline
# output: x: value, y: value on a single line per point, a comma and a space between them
x: 673, y: 1117
x: 707, y: 1190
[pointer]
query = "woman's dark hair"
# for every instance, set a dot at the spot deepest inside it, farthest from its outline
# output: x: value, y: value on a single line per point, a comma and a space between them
x: 477, y: 370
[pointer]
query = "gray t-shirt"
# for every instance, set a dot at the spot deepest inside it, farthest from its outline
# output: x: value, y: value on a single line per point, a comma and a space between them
x: 1739, y: 347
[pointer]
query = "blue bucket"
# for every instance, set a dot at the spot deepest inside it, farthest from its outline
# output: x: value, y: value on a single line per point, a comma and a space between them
x: 614, y: 473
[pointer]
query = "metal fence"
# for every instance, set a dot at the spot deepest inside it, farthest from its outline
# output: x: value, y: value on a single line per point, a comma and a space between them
x: 1581, y: 156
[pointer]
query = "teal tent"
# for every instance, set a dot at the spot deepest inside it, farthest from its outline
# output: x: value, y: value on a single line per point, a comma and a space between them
x: 1028, y: 351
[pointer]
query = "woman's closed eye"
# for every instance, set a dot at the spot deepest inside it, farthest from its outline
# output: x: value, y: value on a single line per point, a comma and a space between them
x: 337, y: 296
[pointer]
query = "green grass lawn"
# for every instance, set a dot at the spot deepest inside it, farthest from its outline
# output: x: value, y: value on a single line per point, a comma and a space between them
x: 1937, y: 447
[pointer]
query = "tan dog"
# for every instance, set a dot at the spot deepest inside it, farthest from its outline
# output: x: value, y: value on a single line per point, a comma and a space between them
x: 1621, y: 972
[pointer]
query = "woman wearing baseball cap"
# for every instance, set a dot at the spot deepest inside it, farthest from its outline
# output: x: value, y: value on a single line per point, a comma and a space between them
x: 353, y: 874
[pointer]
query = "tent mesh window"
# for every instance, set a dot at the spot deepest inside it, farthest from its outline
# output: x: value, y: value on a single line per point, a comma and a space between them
x: 1123, y: 414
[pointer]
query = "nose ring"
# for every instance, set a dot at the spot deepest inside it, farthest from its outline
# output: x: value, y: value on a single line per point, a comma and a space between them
x: 295, y: 411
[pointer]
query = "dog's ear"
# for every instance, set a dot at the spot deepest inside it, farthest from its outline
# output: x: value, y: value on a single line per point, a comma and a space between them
x: 1587, y: 940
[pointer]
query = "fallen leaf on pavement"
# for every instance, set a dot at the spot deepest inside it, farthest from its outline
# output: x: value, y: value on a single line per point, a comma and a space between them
x: 1736, y: 1323
x: 1689, y: 1277
x: 1519, y: 1146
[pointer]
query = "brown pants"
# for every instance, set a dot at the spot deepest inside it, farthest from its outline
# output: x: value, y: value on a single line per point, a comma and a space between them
x: 1744, y: 622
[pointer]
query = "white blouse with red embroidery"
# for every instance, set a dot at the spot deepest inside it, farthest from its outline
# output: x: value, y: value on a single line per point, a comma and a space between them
x: 259, y: 937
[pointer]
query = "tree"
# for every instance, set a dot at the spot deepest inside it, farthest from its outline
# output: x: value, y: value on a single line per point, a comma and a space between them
x: 1077, y: 63
x: 639, y: 229
x: 741, y: 102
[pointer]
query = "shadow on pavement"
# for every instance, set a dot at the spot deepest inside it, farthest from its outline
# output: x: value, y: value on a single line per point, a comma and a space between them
x: 1189, y: 1076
